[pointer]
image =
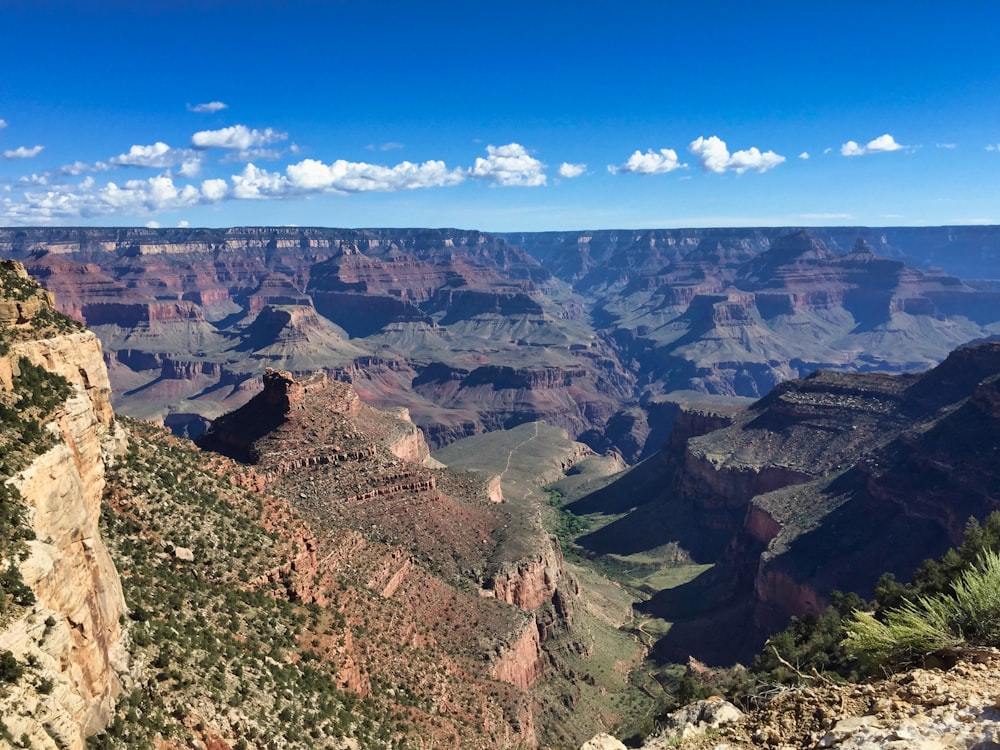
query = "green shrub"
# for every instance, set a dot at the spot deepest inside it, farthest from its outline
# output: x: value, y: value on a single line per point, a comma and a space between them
x: 10, y: 668
x: 970, y: 615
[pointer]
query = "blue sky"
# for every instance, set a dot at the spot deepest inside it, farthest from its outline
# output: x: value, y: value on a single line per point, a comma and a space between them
x: 498, y: 116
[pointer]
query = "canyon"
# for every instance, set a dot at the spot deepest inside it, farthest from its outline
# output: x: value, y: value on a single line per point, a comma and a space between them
x: 474, y: 332
x: 824, y: 484
x: 378, y: 412
x: 384, y: 599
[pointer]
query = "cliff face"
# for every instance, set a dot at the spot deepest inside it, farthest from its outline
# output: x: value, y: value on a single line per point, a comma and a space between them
x: 72, y: 632
x: 822, y: 485
x: 197, y: 316
x: 466, y: 580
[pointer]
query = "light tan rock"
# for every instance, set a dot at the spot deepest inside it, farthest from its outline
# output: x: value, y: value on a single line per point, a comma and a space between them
x: 602, y: 742
x: 73, y: 633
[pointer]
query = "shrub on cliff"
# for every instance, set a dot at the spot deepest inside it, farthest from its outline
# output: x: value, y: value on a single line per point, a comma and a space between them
x: 968, y: 616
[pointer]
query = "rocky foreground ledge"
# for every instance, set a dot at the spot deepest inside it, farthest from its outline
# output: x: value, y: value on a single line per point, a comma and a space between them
x: 924, y: 709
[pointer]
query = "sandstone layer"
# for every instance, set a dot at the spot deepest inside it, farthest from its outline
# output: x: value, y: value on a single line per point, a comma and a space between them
x: 73, y: 631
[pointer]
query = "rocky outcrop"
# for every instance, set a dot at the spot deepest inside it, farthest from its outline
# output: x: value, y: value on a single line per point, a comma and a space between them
x: 921, y: 709
x: 520, y: 664
x: 530, y: 583
x: 73, y: 632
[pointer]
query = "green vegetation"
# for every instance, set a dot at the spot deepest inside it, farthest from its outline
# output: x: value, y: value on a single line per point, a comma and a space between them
x: 970, y: 616
x: 952, y: 602
x: 24, y: 410
x: 43, y: 322
x: 568, y: 526
x: 219, y: 632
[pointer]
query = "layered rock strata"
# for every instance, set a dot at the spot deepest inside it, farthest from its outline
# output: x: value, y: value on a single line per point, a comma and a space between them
x: 73, y: 631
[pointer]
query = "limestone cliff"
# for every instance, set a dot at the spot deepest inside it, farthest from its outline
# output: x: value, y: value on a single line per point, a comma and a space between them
x: 71, y: 633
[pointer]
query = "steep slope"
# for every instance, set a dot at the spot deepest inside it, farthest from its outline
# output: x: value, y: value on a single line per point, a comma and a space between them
x: 61, y: 635
x: 463, y: 581
x: 824, y: 484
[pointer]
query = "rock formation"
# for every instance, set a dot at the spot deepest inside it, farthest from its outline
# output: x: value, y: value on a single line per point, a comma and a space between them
x: 920, y: 709
x: 473, y: 332
x: 480, y: 576
x: 73, y: 631
x: 804, y: 493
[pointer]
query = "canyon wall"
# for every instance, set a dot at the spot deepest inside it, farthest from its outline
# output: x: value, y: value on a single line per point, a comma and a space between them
x: 72, y: 632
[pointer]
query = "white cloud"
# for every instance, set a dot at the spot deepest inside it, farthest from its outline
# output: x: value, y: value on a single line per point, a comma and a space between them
x: 87, y: 199
x: 236, y: 137
x: 208, y: 107
x: 3, y: 124
x: 715, y: 157
x: 342, y: 176
x: 948, y: 146
x: 251, y: 154
x: 75, y: 169
x: 255, y: 183
x: 183, y: 224
x: 878, y: 145
x: 214, y: 191
x: 23, y: 152
x: 650, y: 162
x: 152, y: 225
x: 390, y: 146
x: 158, y: 156
x: 34, y: 179
x: 993, y: 147
x: 804, y: 155
x: 509, y: 165
x: 569, y: 171
x: 827, y: 150
x: 191, y: 166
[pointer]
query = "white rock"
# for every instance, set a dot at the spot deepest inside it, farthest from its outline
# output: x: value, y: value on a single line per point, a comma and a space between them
x: 602, y: 742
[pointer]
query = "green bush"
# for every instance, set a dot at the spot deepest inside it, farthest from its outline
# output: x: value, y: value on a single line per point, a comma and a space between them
x: 969, y: 616
x: 10, y: 668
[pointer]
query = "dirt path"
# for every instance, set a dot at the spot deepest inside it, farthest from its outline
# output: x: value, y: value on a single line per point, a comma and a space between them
x: 514, y: 450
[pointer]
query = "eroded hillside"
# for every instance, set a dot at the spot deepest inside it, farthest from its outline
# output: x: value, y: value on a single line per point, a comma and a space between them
x: 824, y: 484
x: 474, y: 332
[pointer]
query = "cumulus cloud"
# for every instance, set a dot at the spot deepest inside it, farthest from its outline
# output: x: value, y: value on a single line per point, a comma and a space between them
x: 993, y: 147
x: 359, y: 177
x: 509, y: 165
x: 804, y: 155
x: 23, y: 152
x: 569, y: 171
x: 715, y: 157
x: 238, y: 137
x: 254, y: 183
x: 158, y: 156
x: 215, y: 190
x: 878, y: 145
x: 152, y: 225
x: 88, y: 199
x: 183, y: 224
x: 651, y: 162
x: 207, y: 107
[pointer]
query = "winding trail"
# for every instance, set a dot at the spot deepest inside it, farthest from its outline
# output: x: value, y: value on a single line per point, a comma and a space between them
x: 515, y: 449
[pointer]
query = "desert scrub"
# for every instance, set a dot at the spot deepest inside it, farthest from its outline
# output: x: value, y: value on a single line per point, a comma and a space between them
x: 969, y: 616
x: 217, y: 631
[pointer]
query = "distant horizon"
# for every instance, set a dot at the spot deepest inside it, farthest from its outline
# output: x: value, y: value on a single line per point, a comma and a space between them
x: 400, y: 227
